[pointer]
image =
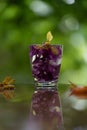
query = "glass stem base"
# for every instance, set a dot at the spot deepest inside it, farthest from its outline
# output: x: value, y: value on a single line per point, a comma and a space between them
x: 46, y: 84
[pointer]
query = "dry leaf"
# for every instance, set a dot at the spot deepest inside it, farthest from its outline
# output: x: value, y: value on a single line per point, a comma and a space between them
x: 49, y: 36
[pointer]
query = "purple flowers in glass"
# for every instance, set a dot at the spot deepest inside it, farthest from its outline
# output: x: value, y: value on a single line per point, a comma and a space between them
x: 46, y: 62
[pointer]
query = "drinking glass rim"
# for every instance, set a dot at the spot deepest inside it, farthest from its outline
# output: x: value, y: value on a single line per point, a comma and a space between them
x: 60, y: 45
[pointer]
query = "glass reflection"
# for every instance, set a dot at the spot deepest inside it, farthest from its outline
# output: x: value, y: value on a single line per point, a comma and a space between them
x: 45, y: 112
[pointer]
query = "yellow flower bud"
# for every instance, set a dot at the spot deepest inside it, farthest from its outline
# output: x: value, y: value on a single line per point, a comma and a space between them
x: 49, y: 36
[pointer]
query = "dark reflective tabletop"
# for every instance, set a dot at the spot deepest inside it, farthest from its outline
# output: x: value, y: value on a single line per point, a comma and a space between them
x: 14, y: 113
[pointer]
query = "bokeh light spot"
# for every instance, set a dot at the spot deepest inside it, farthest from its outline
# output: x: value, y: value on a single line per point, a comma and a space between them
x: 69, y: 1
x: 41, y: 8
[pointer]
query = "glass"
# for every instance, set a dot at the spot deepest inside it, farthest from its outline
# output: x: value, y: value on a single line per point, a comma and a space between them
x: 46, y: 62
x: 46, y: 113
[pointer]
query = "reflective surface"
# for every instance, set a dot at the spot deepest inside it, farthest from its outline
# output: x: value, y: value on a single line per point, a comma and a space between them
x: 14, y: 113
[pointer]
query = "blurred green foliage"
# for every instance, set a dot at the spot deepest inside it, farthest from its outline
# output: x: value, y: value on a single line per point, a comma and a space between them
x: 24, y: 22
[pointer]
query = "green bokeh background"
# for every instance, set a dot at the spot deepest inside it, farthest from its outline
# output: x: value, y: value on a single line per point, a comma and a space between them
x: 24, y: 22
